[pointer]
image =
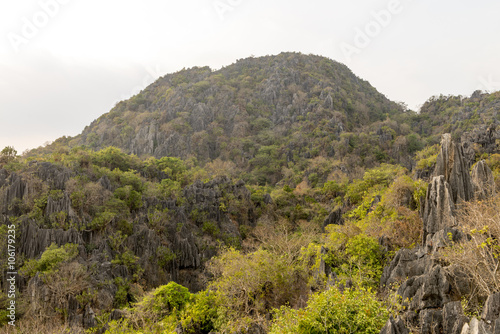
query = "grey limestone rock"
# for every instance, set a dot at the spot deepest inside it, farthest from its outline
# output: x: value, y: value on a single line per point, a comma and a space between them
x: 438, y: 210
x: 482, y: 181
x: 394, y: 327
x: 453, y: 318
x: 452, y: 165
x: 431, y: 321
x: 491, y: 310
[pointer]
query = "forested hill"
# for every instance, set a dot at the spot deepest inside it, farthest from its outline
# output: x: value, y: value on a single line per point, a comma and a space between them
x: 231, y: 113
x: 285, y: 108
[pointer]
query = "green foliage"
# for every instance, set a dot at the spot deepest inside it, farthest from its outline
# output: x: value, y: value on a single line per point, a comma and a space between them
x: 332, y: 311
x: 427, y: 157
x: 50, y: 260
x: 101, y: 220
x: 377, y: 178
x: 169, y: 297
x: 114, y: 158
x: 170, y: 189
x: 365, y: 261
x: 332, y: 189
x: 201, y: 314
x: 132, y: 198
x: 8, y: 153
x: 250, y: 285
x: 165, y: 256
x: 210, y: 228
x: 122, y: 295
x: 414, y: 143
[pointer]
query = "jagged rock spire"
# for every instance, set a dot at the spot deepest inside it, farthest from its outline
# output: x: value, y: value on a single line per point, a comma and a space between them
x: 452, y: 165
x: 483, y: 183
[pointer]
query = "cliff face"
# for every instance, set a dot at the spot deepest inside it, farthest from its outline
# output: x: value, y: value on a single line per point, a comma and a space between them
x: 164, y: 241
x: 430, y: 292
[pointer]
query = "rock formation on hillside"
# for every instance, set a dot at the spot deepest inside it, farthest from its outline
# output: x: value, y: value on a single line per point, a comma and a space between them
x: 176, y: 254
x: 431, y: 295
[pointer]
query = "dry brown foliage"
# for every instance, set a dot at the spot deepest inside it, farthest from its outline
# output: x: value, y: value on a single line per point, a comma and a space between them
x: 29, y: 325
x: 479, y: 254
x: 71, y: 279
x: 284, y: 238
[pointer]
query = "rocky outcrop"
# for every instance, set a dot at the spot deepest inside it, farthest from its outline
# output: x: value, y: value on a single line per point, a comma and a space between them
x: 491, y: 310
x: 163, y: 240
x: 394, y: 327
x: 452, y: 165
x: 335, y: 217
x: 483, y: 183
x: 54, y: 176
x: 13, y: 191
x: 483, y: 138
x: 34, y: 240
x: 438, y: 208
x: 453, y: 318
x: 430, y: 293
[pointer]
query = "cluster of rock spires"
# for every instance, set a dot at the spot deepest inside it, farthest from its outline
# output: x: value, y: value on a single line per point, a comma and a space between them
x: 430, y: 294
x: 181, y: 235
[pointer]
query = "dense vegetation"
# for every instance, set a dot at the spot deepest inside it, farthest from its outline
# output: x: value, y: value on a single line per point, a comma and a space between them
x: 333, y: 178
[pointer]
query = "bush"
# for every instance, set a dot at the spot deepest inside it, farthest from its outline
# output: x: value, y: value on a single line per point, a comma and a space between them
x: 376, y: 178
x: 331, y: 311
x: 478, y: 254
x: 102, y: 220
x: 427, y: 157
x: 112, y: 158
x: 163, y: 301
x: 132, y: 198
x: 50, y: 260
x: 248, y: 286
x: 170, y: 297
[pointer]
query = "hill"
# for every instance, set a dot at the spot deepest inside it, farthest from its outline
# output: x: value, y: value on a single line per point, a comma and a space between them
x: 246, y: 199
x: 285, y: 109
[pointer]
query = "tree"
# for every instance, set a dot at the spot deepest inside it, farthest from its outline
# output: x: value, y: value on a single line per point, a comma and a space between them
x: 7, y: 154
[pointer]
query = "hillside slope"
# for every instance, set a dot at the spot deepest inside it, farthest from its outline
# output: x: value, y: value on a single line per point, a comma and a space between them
x: 287, y: 181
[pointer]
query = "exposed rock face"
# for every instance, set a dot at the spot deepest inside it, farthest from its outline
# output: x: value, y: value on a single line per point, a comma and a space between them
x: 335, y: 217
x: 483, y: 137
x: 429, y: 292
x: 54, y: 175
x: 34, y: 240
x: 169, y: 247
x: 491, y: 311
x: 453, y: 318
x: 438, y: 208
x: 452, y: 165
x: 14, y: 189
x: 394, y: 327
x: 483, y: 182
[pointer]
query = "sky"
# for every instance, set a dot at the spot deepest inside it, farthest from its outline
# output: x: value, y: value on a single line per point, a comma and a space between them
x: 63, y: 63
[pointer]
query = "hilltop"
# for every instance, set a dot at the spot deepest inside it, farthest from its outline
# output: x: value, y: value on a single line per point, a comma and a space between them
x: 244, y: 200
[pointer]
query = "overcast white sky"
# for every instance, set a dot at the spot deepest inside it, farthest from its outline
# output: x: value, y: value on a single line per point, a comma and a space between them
x: 63, y: 63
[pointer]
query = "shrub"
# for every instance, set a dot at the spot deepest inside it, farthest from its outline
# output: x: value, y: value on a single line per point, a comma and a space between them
x: 169, y: 297
x: 478, y: 254
x: 50, y: 260
x: 112, y: 158
x: 248, y: 286
x: 331, y: 311
x: 427, y: 157
x: 132, y: 198
x: 210, y: 228
x: 102, y: 220
x: 163, y: 301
